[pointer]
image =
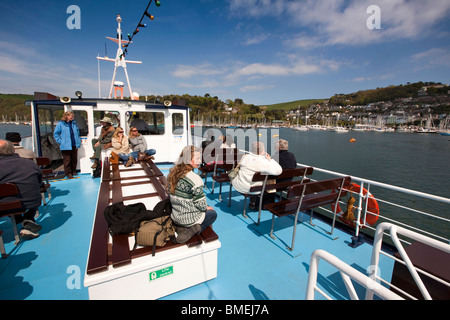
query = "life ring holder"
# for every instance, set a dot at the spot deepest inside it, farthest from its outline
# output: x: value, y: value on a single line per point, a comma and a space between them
x: 372, y: 208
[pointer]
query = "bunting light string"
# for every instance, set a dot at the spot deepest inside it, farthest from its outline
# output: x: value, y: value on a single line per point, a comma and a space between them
x: 140, y: 24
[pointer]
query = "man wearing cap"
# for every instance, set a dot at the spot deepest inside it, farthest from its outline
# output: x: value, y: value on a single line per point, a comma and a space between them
x: 15, y: 138
x: 104, y: 141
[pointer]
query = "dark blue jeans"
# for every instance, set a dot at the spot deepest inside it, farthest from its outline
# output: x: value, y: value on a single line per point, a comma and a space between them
x: 210, y: 217
x: 149, y: 152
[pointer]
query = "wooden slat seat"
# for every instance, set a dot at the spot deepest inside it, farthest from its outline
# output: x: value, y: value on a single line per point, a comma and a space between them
x: 302, y: 197
x: 104, y: 253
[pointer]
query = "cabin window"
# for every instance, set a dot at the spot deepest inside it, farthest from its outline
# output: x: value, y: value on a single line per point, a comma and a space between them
x: 99, y: 115
x: 80, y: 118
x: 147, y: 123
x: 177, y: 123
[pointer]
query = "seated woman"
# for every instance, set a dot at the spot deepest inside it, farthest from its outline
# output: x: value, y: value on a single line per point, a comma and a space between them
x: 257, y: 161
x: 190, y: 212
x: 228, y: 142
x: 139, y: 146
x: 122, y: 147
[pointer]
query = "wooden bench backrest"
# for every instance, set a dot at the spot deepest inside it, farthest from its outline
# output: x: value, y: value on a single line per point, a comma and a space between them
x: 318, y: 186
x: 9, y: 190
x: 315, y: 194
x: 43, y: 161
x: 272, y: 183
x: 226, y: 159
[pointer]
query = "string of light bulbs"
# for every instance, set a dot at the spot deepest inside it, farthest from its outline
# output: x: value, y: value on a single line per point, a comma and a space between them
x: 140, y: 24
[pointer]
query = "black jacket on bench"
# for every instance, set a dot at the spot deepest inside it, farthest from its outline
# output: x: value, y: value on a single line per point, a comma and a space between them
x: 124, y: 219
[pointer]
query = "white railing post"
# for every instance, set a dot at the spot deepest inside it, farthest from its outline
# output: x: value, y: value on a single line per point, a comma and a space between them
x: 394, y: 231
x: 347, y: 273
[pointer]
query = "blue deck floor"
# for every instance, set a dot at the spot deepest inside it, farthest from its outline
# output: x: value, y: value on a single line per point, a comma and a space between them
x: 251, y: 264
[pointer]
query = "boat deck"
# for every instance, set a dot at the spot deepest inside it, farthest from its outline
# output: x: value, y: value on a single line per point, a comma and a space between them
x: 251, y: 265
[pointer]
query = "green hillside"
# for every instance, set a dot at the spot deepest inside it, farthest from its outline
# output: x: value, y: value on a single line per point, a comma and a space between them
x: 286, y: 106
x: 12, y: 104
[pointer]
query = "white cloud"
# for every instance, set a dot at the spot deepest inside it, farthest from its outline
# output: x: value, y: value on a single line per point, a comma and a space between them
x: 331, y: 22
x: 431, y: 58
x: 260, y: 87
x: 256, y: 39
x: 186, y: 71
x: 257, y: 8
x: 296, y: 66
x: 204, y: 84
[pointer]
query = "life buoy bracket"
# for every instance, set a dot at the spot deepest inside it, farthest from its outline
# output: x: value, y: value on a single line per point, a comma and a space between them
x: 373, y: 209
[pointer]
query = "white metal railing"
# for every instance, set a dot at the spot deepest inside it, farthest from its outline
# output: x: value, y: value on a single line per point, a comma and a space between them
x: 394, y: 231
x: 362, y: 205
x: 372, y: 282
x: 348, y: 273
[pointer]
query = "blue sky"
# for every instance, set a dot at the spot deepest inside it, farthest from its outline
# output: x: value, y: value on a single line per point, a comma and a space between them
x: 261, y: 51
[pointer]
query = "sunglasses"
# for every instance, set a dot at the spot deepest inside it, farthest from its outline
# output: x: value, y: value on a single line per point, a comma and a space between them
x: 120, y: 131
x: 133, y: 130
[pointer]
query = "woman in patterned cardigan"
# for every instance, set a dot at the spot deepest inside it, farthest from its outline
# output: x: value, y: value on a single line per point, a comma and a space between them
x: 190, y: 212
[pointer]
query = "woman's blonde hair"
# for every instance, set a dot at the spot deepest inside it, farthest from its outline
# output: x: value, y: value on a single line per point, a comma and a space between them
x: 181, y: 168
x: 116, y: 133
x: 66, y: 114
x: 131, y: 128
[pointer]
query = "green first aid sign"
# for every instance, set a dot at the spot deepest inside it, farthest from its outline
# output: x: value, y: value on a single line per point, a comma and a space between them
x: 160, y: 273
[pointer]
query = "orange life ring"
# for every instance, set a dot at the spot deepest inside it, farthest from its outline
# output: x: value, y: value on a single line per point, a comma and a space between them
x: 372, y: 207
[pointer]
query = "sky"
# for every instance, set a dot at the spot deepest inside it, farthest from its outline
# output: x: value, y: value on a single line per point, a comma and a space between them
x: 261, y: 51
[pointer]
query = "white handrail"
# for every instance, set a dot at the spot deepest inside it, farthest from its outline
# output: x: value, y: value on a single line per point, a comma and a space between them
x: 362, y: 212
x: 394, y: 231
x: 347, y: 273
x: 370, y: 282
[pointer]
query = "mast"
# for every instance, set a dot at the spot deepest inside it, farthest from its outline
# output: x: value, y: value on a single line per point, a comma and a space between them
x: 120, y: 60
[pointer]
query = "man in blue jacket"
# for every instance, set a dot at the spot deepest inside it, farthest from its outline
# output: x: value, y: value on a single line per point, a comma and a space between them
x: 67, y: 135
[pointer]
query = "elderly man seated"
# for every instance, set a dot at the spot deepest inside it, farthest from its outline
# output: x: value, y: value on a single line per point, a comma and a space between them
x: 28, y: 178
x: 104, y: 141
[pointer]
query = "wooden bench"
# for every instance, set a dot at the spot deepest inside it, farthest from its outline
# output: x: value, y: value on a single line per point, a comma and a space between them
x: 271, y: 183
x: 226, y: 160
x: 208, y: 163
x: 12, y: 207
x: 302, y: 197
x: 47, y: 173
x: 2, y: 246
x: 107, y: 252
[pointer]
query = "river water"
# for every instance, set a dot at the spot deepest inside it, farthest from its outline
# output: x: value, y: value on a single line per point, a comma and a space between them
x: 419, y: 162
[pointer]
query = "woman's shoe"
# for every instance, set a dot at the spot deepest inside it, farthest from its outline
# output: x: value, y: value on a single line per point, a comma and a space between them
x: 129, y: 162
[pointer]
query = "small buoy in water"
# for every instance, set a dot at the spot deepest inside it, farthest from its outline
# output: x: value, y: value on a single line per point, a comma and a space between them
x: 352, y: 140
x: 276, y: 135
x: 260, y: 134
